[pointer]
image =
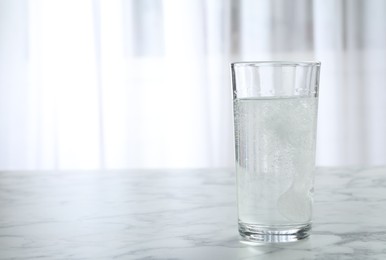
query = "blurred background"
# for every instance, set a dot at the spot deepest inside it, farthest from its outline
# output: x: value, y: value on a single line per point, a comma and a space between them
x: 118, y: 84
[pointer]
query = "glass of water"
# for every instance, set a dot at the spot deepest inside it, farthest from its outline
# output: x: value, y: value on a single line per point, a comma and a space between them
x: 275, y: 114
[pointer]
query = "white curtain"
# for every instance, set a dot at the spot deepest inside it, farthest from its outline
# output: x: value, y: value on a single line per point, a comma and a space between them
x: 101, y: 84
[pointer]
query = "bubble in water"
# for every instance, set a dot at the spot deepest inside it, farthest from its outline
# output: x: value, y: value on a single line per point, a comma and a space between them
x: 275, y: 141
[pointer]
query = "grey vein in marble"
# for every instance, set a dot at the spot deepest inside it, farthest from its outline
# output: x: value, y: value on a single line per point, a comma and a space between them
x: 178, y: 215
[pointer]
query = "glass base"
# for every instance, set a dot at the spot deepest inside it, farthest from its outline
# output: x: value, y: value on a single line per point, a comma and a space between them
x: 273, y: 234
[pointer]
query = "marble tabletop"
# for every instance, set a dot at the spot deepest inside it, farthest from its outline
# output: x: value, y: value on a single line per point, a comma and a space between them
x: 178, y: 214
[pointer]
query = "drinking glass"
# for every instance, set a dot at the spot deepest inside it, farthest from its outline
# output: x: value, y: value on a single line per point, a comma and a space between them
x: 275, y: 114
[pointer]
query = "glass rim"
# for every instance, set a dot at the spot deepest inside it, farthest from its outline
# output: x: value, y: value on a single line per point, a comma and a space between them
x: 275, y: 63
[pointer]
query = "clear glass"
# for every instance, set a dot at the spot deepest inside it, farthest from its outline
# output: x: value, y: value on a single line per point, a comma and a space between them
x: 275, y: 115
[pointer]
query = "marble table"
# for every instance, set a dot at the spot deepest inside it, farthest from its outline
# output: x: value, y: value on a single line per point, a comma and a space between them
x: 178, y: 214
